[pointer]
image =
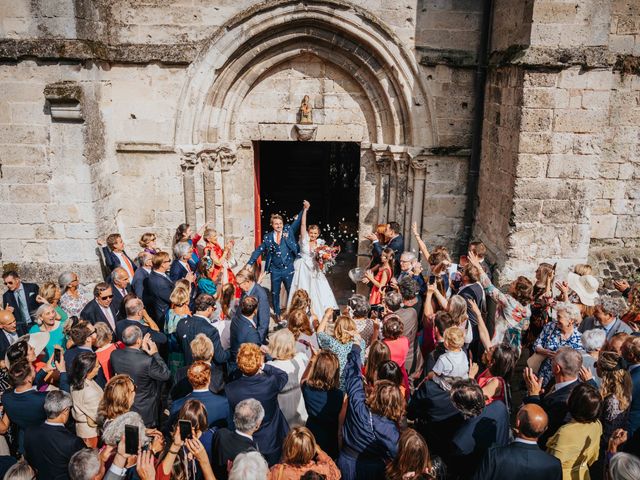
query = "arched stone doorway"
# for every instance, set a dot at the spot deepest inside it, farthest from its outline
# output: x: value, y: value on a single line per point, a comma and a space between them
x: 246, y: 86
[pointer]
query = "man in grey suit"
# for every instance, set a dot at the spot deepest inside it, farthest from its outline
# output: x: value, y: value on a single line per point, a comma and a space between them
x: 142, y: 362
x: 605, y: 316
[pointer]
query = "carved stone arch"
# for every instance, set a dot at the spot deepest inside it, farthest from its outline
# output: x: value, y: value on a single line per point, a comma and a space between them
x: 352, y: 33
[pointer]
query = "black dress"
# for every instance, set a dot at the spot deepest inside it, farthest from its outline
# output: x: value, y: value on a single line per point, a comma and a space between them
x: 323, y: 408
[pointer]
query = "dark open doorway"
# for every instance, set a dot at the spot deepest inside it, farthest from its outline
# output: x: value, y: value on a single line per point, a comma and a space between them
x: 328, y: 175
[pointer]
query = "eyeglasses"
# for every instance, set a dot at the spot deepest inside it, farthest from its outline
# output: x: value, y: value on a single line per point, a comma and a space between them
x: 105, y: 297
x: 93, y: 332
x: 166, y: 261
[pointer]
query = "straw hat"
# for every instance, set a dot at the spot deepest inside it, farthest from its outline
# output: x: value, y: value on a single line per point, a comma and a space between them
x: 585, y: 286
x: 37, y: 341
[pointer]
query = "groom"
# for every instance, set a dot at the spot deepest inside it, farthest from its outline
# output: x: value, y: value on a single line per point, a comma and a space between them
x: 279, y: 249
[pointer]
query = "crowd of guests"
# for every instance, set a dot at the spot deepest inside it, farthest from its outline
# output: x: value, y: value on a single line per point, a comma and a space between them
x: 175, y: 368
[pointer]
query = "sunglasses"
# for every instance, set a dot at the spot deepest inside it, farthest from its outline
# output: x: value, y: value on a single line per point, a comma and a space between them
x: 106, y: 297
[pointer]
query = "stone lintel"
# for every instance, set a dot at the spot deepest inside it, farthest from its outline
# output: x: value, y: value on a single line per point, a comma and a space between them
x: 143, y: 147
x: 431, y: 57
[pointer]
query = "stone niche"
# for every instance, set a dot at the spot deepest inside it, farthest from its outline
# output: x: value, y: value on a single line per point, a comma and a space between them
x: 64, y: 101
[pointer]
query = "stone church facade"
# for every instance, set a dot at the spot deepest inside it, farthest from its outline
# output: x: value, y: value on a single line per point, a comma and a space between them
x: 516, y: 122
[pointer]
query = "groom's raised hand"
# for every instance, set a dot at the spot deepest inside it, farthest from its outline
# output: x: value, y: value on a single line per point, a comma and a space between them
x: 306, y: 205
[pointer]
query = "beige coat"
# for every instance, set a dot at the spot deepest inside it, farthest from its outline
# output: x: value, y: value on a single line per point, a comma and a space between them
x: 85, y: 409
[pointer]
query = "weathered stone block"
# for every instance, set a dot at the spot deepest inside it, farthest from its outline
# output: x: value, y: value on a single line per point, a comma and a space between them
x: 580, y: 121
x: 573, y: 166
x: 531, y: 165
x: 628, y: 226
x: 536, y: 120
x: 603, y: 226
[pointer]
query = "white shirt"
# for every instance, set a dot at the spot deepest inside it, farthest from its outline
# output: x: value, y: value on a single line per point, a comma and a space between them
x: 124, y: 264
x: 109, y: 314
x: 244, y: 435
x: 11, y: 337
x: 528, y: 442
x: 560, y: 385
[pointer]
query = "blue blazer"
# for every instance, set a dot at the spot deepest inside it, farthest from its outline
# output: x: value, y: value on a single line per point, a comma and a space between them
x: 634, y: 409
x: 217, y: 407
x: 186, y: 331
x: 158, y: 337
x: 242, y: 332
x: 157, y: 294
x: 519, y: 460
x: 21, y: 329
x: 177, y: 271
x: 397, y: 245
x: 49, y: 449
x: 279, y: 257
x: 265, y: 388
x: 112, y: 261
x: 263, y: 315
x: 31, y: 292
x: 139, y: 282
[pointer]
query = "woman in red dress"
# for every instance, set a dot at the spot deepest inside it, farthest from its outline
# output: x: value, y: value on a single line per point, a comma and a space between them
x: 382, y: 279
x: 220, y: 272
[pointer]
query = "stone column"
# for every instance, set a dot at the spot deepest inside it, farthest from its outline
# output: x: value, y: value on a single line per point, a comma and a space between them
x: 188, y: 163
x: 419, y: 171
x: 209, y: 160
x: 227, y: 156
x: 383, y: 174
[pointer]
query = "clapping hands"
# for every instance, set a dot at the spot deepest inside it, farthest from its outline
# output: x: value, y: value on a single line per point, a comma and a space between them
x: 149, y: 346
x: 534, y: 384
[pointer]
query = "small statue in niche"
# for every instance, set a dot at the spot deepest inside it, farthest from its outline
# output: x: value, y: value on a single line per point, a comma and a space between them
x: 305, y: 111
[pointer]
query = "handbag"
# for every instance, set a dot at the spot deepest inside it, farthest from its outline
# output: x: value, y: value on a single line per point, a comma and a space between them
x: 535, y: 361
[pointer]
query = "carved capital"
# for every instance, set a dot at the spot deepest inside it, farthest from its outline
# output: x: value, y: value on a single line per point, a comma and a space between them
x: 188, y: 160
x: 419, y: 163
x: 224, y: 154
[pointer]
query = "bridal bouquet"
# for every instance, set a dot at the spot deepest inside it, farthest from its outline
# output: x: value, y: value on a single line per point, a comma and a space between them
x: 326, y: 257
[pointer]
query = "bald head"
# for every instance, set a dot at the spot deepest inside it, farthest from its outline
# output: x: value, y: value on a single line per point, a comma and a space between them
x: 7, y: 321
x: 531, y: 421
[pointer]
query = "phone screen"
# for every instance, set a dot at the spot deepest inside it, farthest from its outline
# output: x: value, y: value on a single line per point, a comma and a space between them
x: 56, y: 355
x: 185, y: 429
x: 336, y: 313
x: 131, y: 439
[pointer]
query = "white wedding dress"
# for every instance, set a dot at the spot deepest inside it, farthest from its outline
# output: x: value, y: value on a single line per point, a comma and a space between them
x: 308, y: 276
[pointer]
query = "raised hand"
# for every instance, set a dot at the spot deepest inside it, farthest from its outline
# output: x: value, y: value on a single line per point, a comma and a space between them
x: 534, y: 384
x: 306, y: 205
x: 621, y: 285
x: 145, y: 465
x: 414, y: 229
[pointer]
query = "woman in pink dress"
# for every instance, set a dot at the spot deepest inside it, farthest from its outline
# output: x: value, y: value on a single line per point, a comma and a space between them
x: 382, y: 278
x: 398, y: 344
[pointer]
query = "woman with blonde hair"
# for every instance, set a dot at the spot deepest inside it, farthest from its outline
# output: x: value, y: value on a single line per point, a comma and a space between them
x: 148, y: 243
x: 345, y: 335
x: 301, y: 453
x: 50, y: 293
x: 282, y: 348
x: 306, y: 338
x: 47, y: 320
x: 179, y: 309
x: 118, y: 397
x: 104, y: 348
x: 457, y: 308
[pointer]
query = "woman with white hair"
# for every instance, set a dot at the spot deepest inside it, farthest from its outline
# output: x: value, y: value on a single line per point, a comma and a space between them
x: 623, y: 466
x: 249, y: 466
x: 592, y: 343
x: 560, y: 333
x: 181, y: 267
x: 47, y: 320
x: 282, y: 348
x: 74, y: 297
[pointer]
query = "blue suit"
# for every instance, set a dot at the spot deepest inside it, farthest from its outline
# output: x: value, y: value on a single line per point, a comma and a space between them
x: 158, y: 337
x: 279, y: 258
x: 177, y: 271
x: 157, y: 296
x: 242, y: 331
x: 186, y: 331
x: 112, y: 261
x: 634, y: 409
x: 139, y: 282
x: 263, y: 315
x: 217, y: 407
x: 397, y: 245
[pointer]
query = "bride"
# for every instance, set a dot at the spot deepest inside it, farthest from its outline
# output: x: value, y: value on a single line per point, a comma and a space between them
x: 307, y: 275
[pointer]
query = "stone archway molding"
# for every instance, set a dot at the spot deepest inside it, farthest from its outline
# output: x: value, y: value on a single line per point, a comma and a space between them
x: 272, y: 32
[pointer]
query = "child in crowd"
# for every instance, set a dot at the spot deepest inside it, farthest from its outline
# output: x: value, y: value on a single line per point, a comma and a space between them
x: 454, y: 362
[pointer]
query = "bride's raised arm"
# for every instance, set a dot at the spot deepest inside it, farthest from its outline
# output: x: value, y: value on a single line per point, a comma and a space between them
x: 303, y: 224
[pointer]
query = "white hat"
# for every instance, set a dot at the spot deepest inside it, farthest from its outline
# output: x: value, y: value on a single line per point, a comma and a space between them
x: 585, y: 286
x: 37, y: 341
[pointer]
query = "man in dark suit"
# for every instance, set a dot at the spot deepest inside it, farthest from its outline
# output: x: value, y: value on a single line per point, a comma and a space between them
x: 471, y: 290
x: 102, y: 308
x: 200, y: 322
x: 142, y: 362
x: 21, y: 296
x: 435, y: 416
x: 243, y: 326
x: 631, y: 353
x: 120, y: 286
x: 394, y: 241
x: 180, y: 267
x: 83, y: 336
x: 157, y: 291
x: 247, y: 283
x: 279, y: 249
x: 483, y: 427
x: 9, y: 331
x: 565, y: 367
x: 115, y: 256
x: 139, y: 281
x: 228, y: 444
x: 49, y: 447
x: 217, y: 406
x: 134, y: 308
x: 522, y: 458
